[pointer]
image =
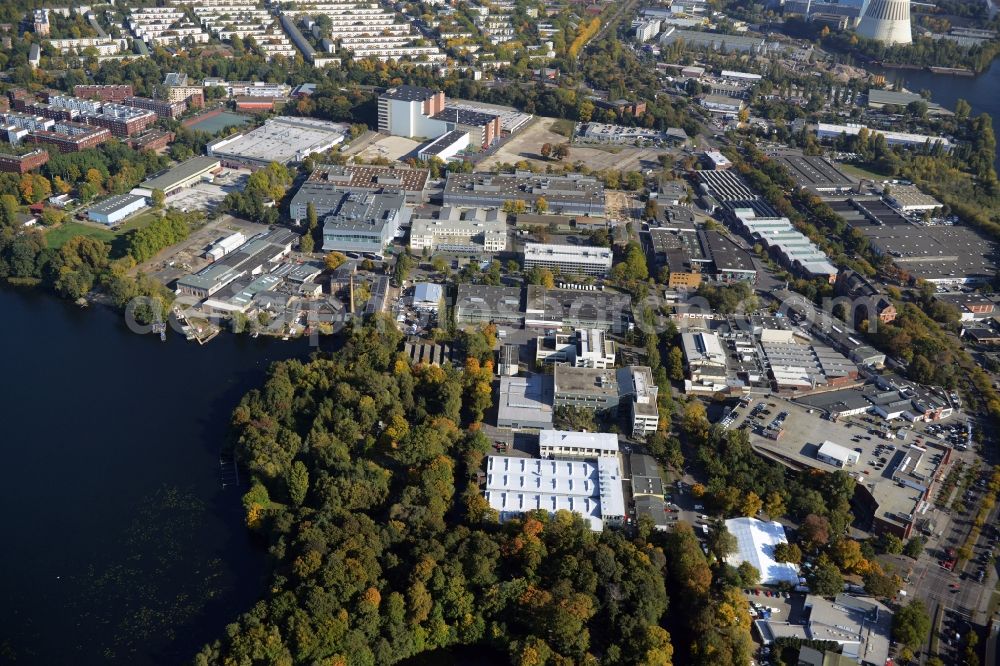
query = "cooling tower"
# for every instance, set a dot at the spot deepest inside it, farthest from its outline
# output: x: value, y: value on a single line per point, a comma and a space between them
x: 886, y: 21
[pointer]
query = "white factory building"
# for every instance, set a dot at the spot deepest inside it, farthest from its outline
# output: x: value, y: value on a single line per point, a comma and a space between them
x: 907, y: 139
x: 755, y: 542
x: 568, y: 259
x: 515, y: 486
x: 114, y: 209
x: 839, y: 456
x: 407, y: 110
x: 566, y: 444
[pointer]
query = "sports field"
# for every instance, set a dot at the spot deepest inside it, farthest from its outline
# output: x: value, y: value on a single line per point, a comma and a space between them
x: 217, y: 122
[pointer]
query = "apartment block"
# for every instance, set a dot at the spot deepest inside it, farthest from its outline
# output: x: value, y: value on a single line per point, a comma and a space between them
x: 161, y: 108
x: 23, y: 163
x: 110, y: 93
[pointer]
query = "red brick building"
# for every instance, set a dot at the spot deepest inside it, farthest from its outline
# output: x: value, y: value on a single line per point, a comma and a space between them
x: 23, y: 163
x: 160, y: 107
x: 153, y: 139
x: 250, y: 103
x: 81, y: 138
x: 123, y: 121
x: 113, y: 93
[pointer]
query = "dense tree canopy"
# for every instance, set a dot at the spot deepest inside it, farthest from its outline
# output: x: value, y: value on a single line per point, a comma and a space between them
x: 362, y: 469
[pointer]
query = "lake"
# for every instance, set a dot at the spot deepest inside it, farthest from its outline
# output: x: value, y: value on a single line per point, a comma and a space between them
x: 120, y: 543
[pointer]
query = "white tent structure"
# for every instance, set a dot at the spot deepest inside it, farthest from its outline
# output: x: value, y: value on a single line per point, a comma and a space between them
x: 755, y: 542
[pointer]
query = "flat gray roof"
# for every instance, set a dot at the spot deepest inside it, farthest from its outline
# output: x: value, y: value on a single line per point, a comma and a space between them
x: 183, y: 171
x: 114, y: 203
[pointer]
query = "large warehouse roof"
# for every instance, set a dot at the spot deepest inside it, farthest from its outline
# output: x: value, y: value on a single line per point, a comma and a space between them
x: 755, y: 542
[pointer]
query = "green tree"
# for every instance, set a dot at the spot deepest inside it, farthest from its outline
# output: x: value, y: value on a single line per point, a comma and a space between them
x: 401, y: 272
x: 298, y: 482
x: 158, y: 198
x: 825, y: 579
x: 911, y: 624
x: 334, y: 260
x: 675, y: 364
x: 914, y: 547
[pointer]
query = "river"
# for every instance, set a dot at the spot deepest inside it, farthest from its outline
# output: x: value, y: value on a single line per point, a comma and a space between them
x: 120, y: 544
x: 982, y: 92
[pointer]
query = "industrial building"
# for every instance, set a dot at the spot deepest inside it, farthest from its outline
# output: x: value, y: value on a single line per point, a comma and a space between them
x: 755, y: 542
x: 705, y: 362
x: 590, y: 388
x: 472, y: 231
x: 328, y: 182
x: 408, y: 110
x: 116, y: 208
x: 256, y: 256
x: 365, y: 222
x: 839, y: 456
x: 412, y: 111
x: 283, y: 139
x: 879, y: 99
x: 727, y: 106
x: 427, y: 297
x: 445, y: 146
x: 826, y: 131
x: 648, y: 490
x: 573, y: 194
x: 225, y: 245
x: 568, y: 259
x: 909, y: 199
x: 483, y: 304
x: 525, y: 403
x: 515, y: 486
x: 861, y: 627
x: 558, y: 444
x: 558, y: 308
x: 716, y: 41
x: 482, y: 128
x: 584, y: 348
x: 185, y: 174
x: 786, y: 243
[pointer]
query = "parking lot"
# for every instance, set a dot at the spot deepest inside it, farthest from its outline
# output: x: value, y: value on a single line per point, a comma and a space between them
x: 206, y: 197
x: 804, y: 430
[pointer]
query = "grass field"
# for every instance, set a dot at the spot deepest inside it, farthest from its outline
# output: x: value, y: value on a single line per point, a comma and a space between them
x: 58, y: 236
x: 857, y: 171
x: 564, y: 127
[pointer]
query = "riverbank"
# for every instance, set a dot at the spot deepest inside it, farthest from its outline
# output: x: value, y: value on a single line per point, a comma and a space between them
x: 123, y: 546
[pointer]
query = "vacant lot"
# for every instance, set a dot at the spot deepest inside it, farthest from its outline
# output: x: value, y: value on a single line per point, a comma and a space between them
x: 391, y: 148
x: 527, y: 144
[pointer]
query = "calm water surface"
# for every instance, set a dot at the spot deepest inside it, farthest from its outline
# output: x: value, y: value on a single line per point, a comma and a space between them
x: 120, y: 544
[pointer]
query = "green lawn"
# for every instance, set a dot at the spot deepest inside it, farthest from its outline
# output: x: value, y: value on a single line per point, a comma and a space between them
x: 853, y: 170
x: 563, y: 126
x: 56, y: 237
